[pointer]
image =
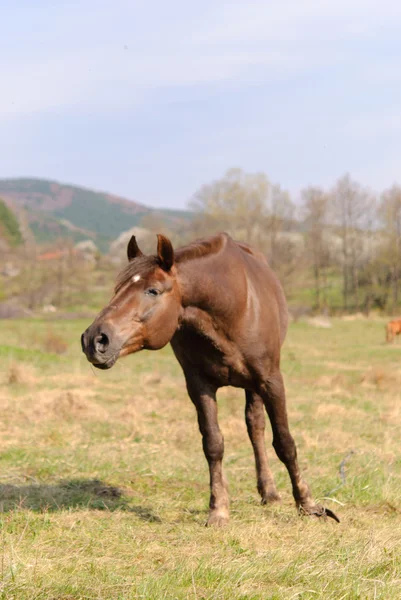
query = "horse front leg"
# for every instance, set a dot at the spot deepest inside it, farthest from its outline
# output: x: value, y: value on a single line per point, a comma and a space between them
x: 203, y: 395
x: 274, y: 398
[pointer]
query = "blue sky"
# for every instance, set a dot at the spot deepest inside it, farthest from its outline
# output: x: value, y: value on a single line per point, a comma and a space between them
x: 151, y: 99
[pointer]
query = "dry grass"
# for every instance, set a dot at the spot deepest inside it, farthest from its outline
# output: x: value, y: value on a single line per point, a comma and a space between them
x: 54, y: 342
x: 19, y: 374
x: 103, y: 485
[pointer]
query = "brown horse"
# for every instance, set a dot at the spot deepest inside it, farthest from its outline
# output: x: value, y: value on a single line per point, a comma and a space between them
x: 393, y: 328
x: 223, y: 310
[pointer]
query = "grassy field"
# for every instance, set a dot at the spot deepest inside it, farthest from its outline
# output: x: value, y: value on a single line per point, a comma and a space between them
x: 104, y: 487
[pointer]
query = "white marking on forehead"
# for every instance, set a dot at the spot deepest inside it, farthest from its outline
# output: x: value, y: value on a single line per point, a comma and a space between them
x: 136, y: 278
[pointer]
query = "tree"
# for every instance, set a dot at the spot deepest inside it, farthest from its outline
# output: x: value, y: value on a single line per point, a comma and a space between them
x: 236, y: 203
x: 349, y: 201
x: 390, y: 215
x: 9, y: 226
x: 279, y: 217
x: 315, y: 208
x: 251, y: 209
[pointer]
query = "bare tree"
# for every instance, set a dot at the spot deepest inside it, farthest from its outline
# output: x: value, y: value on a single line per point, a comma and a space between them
x: 349, y: 201
x: 253, y: 210
x: 237, y: 203
x: 390, y: 215
x: 279, y: 218
x: 315, y: 209
x: 368, y: 273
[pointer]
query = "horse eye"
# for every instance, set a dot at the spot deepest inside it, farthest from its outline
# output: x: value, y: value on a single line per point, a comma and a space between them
x: 152, y: 292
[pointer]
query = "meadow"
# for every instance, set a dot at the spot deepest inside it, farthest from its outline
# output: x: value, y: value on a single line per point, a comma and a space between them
x: 104, y: 486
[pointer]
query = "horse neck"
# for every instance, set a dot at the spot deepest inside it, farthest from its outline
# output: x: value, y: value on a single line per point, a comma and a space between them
x: 196, y: 284
x: 207, y: 284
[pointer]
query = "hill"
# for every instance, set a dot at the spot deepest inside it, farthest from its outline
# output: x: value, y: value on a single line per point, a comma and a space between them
x: 55, y: 210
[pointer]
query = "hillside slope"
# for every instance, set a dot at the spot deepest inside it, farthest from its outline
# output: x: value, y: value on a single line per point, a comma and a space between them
x: 56, y: 210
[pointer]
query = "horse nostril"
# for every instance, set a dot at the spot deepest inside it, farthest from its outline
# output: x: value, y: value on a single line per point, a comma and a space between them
x: 101, y: 343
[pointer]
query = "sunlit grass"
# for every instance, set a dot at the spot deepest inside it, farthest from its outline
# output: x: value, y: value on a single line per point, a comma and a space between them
x: 104, y: 487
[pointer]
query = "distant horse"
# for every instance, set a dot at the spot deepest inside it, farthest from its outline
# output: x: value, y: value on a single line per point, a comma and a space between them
x: 224, y: 313
x: 393, y: 328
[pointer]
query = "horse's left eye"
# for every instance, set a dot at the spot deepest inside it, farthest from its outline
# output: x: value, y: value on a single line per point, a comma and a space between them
x: 152, y: 292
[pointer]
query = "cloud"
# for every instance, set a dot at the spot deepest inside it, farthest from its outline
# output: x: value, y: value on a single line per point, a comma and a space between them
x: 148, y: 98
x: 107, y: 57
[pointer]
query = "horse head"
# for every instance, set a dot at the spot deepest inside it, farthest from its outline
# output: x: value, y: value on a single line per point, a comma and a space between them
x: 144, y: 311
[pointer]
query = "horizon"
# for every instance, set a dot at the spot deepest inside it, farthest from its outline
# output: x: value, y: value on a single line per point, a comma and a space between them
x: 149, y: 102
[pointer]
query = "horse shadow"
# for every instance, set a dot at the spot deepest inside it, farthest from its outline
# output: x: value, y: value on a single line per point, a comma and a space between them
x: 89, y: 494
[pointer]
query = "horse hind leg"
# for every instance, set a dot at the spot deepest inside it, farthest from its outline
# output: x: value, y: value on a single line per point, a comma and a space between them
x: 255, y: 422
x: 274, y: 398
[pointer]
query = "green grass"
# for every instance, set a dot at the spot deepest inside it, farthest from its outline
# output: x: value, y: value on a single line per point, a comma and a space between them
x: 104, y: 487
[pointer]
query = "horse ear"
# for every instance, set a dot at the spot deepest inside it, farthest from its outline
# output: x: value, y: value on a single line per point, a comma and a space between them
x: 133, y: 249
x: 165, y: 252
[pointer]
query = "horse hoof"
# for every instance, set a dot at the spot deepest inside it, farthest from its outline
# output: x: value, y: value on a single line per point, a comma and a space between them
x: 217, y: 520
x: 329, y: 513
x: 270, y: 497
x: 317, y: 511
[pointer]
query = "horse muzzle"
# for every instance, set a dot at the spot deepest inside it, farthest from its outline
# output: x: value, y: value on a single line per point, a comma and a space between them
x: 101, y: 345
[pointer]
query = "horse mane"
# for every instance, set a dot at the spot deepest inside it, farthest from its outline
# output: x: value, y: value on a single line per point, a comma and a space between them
x: 202, y: 247
x: 143, y: 264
